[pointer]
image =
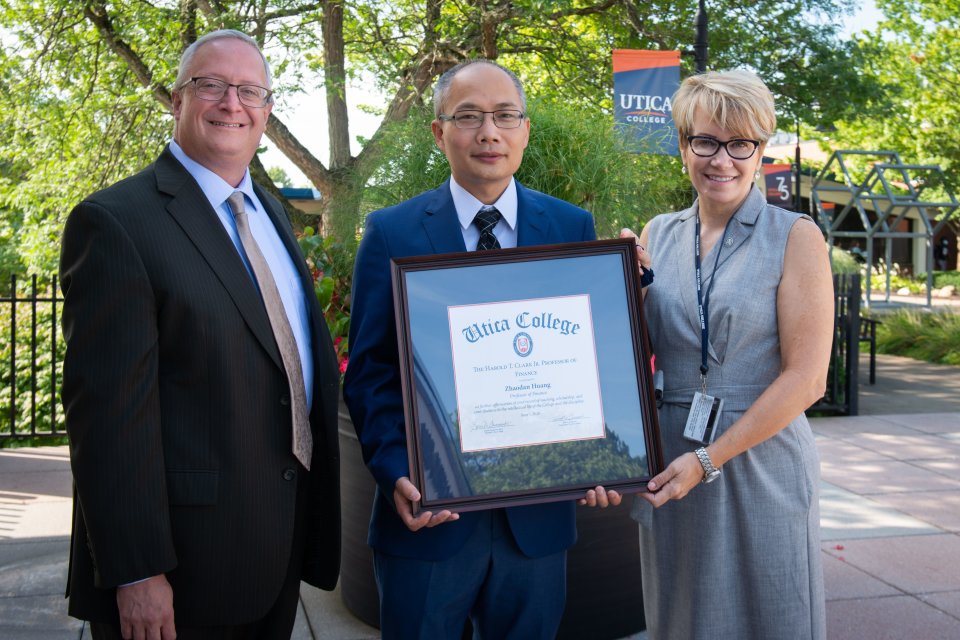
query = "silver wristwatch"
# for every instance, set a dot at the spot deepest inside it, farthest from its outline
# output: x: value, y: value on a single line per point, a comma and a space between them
x: 711, y: 473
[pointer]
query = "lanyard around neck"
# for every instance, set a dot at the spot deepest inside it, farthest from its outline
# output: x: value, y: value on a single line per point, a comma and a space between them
x: 703, y: 301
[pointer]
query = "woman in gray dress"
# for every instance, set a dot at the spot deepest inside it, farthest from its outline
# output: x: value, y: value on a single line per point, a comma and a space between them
x: 729, y: 532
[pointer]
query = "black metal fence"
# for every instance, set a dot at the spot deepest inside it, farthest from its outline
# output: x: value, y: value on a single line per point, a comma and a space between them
x: 31, y: 347
x: 843, y: 377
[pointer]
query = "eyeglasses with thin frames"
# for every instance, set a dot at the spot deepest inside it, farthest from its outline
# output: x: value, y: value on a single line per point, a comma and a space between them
x: 213, y: 89
x: 473, y: 118
x: 737, y: 148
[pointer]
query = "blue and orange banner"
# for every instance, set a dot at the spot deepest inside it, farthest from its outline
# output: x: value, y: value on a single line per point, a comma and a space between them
x: 643, y: 86
x: 778, y: 180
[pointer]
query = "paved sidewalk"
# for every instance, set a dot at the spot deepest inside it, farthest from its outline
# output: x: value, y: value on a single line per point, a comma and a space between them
x: 890, y: 523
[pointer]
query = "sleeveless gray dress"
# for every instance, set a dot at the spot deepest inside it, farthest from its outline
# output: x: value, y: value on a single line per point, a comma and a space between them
x: 740, y: 557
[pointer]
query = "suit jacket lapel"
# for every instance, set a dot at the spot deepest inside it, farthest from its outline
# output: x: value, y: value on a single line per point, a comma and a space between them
x: 278, y: 217
x: 533, y: 223
x: 325, y: 374
x: 189, y: 207
x: 440, y: 222
x: 442, y: 226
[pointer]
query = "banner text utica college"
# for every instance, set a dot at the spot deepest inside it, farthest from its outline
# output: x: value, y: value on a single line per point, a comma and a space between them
x: 643, y: 83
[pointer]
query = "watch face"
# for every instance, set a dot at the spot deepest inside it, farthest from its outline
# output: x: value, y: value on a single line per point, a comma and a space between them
x: 710, y: 477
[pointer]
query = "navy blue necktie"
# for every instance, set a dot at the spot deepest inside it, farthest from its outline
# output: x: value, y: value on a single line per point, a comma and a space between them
x: 486, y: 219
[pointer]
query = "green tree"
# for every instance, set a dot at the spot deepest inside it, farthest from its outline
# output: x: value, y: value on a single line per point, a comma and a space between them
x: 28, y: 395
x: 913, y: 55
x: 279, y: 177
x: 573, y: 154
x: 10, y: 264
x: 86, y: 84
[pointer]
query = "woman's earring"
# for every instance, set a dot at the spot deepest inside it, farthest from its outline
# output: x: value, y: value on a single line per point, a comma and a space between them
x: 683, y: 168
x: 756, y: 174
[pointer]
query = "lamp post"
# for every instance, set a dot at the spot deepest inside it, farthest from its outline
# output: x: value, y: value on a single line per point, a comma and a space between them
x: 700, y: 45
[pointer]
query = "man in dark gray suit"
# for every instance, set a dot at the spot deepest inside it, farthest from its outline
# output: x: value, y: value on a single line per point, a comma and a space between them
x: 200, y: 382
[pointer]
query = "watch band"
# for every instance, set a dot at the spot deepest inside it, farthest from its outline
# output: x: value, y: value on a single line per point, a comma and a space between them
x: 710, y: 472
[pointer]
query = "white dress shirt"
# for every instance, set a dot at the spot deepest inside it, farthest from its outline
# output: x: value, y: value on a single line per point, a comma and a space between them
x: 468, y: 206
x: 217, y: 190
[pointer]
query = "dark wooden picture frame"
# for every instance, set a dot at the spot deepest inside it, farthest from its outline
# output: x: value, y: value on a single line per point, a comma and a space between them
x: 629, y: 452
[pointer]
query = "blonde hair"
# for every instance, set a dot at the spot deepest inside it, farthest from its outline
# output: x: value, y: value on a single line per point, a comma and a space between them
x: 735, y: 100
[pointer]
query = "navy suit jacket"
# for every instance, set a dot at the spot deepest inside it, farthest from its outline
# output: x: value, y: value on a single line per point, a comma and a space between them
x: 428, y: 224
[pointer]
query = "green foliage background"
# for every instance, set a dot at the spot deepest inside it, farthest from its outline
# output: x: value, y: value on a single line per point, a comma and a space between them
x: 842, y: 262
x: 34, y: 371
x: 573, y: 154
x: 84, y: 86
x: 913, y: 58
x: 84, y: 97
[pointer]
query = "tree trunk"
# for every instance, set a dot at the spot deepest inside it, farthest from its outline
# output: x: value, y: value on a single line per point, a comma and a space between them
x: 334, y: 81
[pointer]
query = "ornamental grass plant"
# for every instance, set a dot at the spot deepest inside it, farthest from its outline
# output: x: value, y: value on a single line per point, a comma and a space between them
x: 932, y: 336
x: 842, y: 261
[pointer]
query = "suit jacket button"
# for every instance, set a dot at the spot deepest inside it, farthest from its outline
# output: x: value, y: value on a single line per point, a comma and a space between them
x: 285, y: 401
x: 289, y: 474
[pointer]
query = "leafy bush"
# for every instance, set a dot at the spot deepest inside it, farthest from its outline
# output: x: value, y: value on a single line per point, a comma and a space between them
x: 573, y: 155
x: 922, y: 335
x: 916, y: 285
x: 898, y: 279
x: 577, y: 156
x: 331, y: 264
x: 943, y: 278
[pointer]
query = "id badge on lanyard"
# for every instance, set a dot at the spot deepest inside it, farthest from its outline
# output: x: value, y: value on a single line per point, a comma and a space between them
x: 701, y: 426
x: 702, y: 420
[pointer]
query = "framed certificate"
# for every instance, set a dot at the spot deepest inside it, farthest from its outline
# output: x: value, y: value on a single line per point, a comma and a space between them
x: 526, y: 374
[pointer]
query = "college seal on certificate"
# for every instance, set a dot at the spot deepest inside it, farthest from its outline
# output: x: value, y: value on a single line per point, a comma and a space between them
x: 523, y: 344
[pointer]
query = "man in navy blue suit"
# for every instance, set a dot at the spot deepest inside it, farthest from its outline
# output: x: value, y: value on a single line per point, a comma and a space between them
x: 504, y: 569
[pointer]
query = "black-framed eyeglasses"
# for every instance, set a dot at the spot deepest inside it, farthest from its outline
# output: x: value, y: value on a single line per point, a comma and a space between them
x: 737, y: 148
x: 473, y: 119
x: 213, y: 89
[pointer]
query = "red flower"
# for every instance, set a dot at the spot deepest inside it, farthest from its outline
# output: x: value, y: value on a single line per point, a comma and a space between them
x: 343, y: 364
